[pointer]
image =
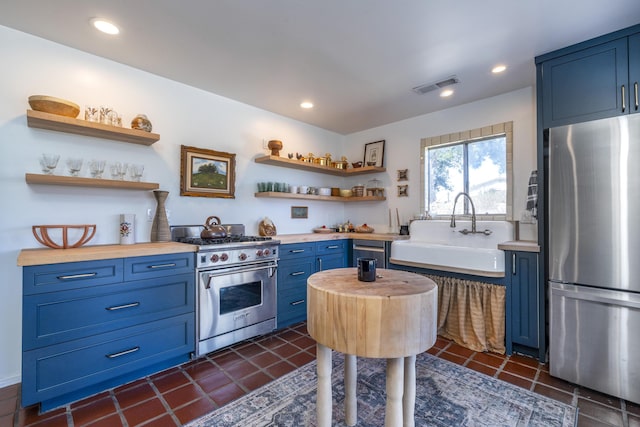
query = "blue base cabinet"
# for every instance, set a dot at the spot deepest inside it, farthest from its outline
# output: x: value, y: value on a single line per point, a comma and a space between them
x: 92, y: 325
x: 524, y: 308
x: 297, y: 262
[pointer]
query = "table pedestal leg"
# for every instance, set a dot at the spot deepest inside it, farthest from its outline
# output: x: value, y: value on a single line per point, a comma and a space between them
x: 323, y: 401
x: 395, y: 380
x: 350, y: 399
x: 409, y: 398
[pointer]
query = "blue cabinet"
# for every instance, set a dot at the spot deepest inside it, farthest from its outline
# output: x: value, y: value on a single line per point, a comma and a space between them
x: 589, y: 81
x: 92, y: 325
x: 523, y: 309
x: 297, y: 262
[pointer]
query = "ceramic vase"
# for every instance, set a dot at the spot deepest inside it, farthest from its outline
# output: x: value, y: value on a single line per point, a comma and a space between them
x: 127, y: 229
x: 160, y: 227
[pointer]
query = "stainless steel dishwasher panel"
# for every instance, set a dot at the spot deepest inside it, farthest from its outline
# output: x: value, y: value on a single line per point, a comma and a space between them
x: 377, y: 249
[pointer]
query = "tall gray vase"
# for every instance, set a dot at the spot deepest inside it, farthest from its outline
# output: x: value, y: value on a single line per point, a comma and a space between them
x: 160, y: 227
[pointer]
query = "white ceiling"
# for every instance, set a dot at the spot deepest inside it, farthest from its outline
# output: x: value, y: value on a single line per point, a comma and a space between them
x: 356, y: 60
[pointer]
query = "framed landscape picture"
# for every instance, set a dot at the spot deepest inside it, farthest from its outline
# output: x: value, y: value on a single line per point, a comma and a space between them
x: 207, y: 173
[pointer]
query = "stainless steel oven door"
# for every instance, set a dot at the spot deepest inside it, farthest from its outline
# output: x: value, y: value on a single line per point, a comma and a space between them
x: 232, y: 299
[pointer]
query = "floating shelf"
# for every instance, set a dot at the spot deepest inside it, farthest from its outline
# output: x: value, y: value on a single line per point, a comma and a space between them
x: 312, y: 167
x: 74, y: 181
x: 276, y: 195
x: 41, y: 120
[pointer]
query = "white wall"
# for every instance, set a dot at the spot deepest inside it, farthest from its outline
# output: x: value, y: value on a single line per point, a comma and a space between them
x: 402, y: 151
x: 183, y: 115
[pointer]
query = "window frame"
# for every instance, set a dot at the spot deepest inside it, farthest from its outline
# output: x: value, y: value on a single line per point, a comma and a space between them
x: 467, y: 136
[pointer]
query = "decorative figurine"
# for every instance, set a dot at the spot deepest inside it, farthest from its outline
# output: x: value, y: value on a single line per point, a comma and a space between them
x: 141, y: 122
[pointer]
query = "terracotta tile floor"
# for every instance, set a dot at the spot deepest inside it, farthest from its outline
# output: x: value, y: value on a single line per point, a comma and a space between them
x: 178, y: 395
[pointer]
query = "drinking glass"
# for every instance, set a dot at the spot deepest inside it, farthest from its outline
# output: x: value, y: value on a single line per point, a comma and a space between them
x: 136, y: 172
x: 74, y: 164
x: 97, y: 168
x: 48, y: 162
x: 119, y: 170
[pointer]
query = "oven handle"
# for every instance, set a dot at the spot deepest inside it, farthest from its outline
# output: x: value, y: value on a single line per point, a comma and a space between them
x: 272, y: 270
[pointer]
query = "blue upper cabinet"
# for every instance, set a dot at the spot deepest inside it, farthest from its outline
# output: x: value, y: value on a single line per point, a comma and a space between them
x: 589, y: 81
x: 634, y: 73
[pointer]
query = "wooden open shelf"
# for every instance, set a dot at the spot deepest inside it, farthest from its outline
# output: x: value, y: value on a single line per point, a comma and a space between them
x: 297, y: 164
x: 74, y: 181
x: 276, y: 195
x: 41, y: 120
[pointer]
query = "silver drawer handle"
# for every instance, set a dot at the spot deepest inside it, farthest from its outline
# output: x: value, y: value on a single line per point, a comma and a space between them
x: 297, y: 273
x: 297, y: 302
x: 333, y: 247
x: 77, y: 276
x: 296, y: 251
x: 120, y: 307
x: 122, y: 353
x: 163, y: 265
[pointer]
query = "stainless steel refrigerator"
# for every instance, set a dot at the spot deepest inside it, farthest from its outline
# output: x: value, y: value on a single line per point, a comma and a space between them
x: 594, y: 255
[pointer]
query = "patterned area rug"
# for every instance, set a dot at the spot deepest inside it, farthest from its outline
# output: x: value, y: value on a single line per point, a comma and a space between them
x: 446, y: 395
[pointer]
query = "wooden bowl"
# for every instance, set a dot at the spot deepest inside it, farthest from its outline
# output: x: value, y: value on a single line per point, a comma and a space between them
x: 49, y: 104
x: 41, y: 233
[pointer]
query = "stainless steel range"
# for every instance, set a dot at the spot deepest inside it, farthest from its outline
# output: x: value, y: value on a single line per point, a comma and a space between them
x: 236, y: 285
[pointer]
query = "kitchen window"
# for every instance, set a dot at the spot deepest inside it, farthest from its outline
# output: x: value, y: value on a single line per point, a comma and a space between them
x: 474, y: 162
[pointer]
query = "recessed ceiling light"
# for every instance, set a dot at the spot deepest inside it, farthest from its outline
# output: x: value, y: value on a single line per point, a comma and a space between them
x: 105, y: 26
x: 498, y: 69
x: 307, y: 104
x: 445, y: 93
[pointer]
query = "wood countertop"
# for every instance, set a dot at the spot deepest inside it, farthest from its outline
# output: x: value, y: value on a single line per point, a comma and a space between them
x: 520, y: 245
x: 319, y: 237
x: 41, y: 256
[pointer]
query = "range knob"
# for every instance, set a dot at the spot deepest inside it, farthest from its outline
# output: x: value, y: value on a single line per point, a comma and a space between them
x: 214, y: 258
x: 243, y: 256
x: 266, y: 252
x: 224, y: 257
x: 259, y: 252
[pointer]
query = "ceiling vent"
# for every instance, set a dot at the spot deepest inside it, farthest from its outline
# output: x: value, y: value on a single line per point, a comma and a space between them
x: 421, y: 90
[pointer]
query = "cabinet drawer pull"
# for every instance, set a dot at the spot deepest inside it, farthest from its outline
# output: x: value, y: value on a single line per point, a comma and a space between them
x: 122, y: 353
x: 297, y: 302
x: 635, y: 92
x: 296, y: 251
x: 163, y: 265
x: 77, y: 276
x: 120, y: 307
x: 333, y: 247
x: 513, y: 264
x: 624, y: 104
x: 297, y: 273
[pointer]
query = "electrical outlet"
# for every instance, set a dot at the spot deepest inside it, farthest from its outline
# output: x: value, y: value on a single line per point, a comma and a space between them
x: 150, y: 214
x: 265, y: 144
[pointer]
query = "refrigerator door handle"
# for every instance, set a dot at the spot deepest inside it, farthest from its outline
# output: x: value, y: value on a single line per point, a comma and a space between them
x: 584, y: 295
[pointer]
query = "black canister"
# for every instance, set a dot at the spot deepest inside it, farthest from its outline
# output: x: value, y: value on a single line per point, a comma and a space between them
x: 367, y: 269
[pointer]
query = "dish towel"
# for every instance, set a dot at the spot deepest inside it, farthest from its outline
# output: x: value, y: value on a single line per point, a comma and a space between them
x: 532, y: 194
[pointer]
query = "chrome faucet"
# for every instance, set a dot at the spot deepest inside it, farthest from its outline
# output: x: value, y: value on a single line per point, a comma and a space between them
x: 473, y: 213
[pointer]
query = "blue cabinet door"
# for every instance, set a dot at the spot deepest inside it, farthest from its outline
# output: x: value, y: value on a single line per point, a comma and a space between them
x: 586, y: 85
x: 634, y: 74
x: 331, y: 254
x: 523, y: 299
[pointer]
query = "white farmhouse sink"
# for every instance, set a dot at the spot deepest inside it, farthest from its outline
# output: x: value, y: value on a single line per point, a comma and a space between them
x: 435, y: 245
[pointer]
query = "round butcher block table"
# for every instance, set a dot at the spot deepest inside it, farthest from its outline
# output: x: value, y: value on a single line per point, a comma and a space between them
x: 393, y: 317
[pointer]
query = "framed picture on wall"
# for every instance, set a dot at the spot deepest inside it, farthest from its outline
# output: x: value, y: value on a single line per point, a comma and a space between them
x: 374, y: 154
x: 207, y: 173
x: 299, y: 212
